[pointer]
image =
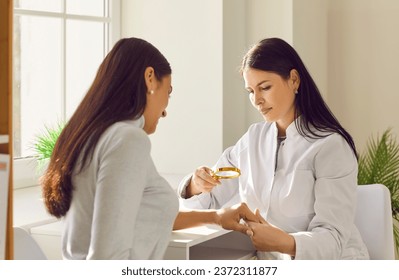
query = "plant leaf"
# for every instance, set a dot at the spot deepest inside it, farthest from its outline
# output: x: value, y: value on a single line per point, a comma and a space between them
x: 379, y: 164
x: 44, y: 143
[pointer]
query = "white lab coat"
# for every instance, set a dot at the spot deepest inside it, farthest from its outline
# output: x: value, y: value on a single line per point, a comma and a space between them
x: 311, y: 194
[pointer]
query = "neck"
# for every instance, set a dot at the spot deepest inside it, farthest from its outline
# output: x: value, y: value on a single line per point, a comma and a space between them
x: 281, y: 132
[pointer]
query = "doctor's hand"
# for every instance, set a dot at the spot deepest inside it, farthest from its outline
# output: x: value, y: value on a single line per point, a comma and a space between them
x: 267, y: 237
x: 202, y: 181
x: 230, y: 218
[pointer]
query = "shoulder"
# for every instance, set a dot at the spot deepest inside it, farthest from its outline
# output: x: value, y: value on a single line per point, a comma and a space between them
x: 329, y: 143
x: 334, y: 140
x: 125, y: 135
x: 126, y: 128
x: 334, y: 153
x: 126, y: 131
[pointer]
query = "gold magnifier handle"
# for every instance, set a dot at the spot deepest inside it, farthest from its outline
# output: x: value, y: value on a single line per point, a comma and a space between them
x: 226, y: 172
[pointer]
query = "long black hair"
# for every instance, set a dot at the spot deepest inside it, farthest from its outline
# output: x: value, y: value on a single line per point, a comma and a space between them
x: 277, y: 56
x: 117, y: 93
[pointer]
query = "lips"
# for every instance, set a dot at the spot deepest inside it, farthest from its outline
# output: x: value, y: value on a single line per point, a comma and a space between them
x: 265, y: 110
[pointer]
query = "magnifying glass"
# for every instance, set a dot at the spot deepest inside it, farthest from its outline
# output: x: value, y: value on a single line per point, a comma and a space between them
x: 226, y: 173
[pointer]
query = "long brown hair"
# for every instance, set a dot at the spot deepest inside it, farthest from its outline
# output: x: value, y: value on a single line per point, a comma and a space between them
x: 277, y: 56
x: 118, y: 93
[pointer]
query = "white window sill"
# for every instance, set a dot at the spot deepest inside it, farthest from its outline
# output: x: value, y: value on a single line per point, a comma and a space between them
x: 29, y: 208
x: 26, y: 173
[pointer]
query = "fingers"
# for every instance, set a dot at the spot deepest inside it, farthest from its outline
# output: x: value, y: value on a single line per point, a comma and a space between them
x: 243, y: 229
x: 247, y: 214
x: 206, y: 174
x: 259, y: 216
x: 240, y: 228
x: 252, y: 224
x: 250, y: 216
x: 204, y: 180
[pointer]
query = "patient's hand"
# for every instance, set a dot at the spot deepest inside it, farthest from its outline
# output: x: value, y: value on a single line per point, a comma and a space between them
x: 230, y: 218
x: 267, y: 237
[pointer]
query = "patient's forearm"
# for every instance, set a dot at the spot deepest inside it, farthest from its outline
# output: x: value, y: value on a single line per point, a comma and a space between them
x: 191, y: 218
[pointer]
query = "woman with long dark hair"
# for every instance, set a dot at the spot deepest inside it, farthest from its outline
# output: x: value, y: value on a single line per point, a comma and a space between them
x: 101, y: 177
x: 298, y: 167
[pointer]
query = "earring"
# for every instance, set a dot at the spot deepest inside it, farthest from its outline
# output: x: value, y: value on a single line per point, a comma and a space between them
x: 296, y: 91
x: 151, y: 92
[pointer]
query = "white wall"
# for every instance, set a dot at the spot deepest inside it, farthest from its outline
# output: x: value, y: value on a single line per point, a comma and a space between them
x: 267, y: 18
x: 309, y: 31
x: 235, y: 99
x: 349, y: 47
x: 190, y: 35
x: 363, y: 66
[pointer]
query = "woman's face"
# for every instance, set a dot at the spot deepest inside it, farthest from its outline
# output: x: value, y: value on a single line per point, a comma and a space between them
x: 272, y: 95
x: 157, y: 103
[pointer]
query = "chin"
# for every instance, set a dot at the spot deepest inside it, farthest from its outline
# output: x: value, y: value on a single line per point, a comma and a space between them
x: 149, y: 130
x: 269, y: 118
x: 152, y: 130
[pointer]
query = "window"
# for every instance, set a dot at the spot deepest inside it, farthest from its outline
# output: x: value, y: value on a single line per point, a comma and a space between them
x: 58, y: 46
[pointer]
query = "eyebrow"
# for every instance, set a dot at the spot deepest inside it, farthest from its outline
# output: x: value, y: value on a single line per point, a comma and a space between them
x: 264, y: 81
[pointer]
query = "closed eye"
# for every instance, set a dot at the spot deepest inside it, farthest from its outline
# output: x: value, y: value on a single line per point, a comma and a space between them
x: 266, y: 88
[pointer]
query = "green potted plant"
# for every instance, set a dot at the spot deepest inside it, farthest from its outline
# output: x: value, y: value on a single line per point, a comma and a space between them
x: 44, y: 144
x: 379, y: 164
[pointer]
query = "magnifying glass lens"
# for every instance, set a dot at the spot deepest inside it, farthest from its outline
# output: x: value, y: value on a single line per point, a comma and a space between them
x: 227, y: 173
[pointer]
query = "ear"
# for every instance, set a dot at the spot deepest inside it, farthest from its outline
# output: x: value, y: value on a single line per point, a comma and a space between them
x: 295, y: 79
x: 149, y: 77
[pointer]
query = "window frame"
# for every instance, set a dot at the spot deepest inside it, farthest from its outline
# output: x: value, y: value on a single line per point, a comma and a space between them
x: 25, y: 169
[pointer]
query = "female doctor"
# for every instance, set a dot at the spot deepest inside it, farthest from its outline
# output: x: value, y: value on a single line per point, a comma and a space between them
x: 298, y: 167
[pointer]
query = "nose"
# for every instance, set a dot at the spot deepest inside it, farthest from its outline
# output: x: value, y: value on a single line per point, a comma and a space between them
x: 164, y: 114
x: 257, y: 98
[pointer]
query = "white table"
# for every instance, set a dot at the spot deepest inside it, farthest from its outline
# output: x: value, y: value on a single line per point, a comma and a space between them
x: 209, y: 242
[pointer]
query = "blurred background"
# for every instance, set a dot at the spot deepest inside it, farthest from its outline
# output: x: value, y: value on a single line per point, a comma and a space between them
x: 349, y: 47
